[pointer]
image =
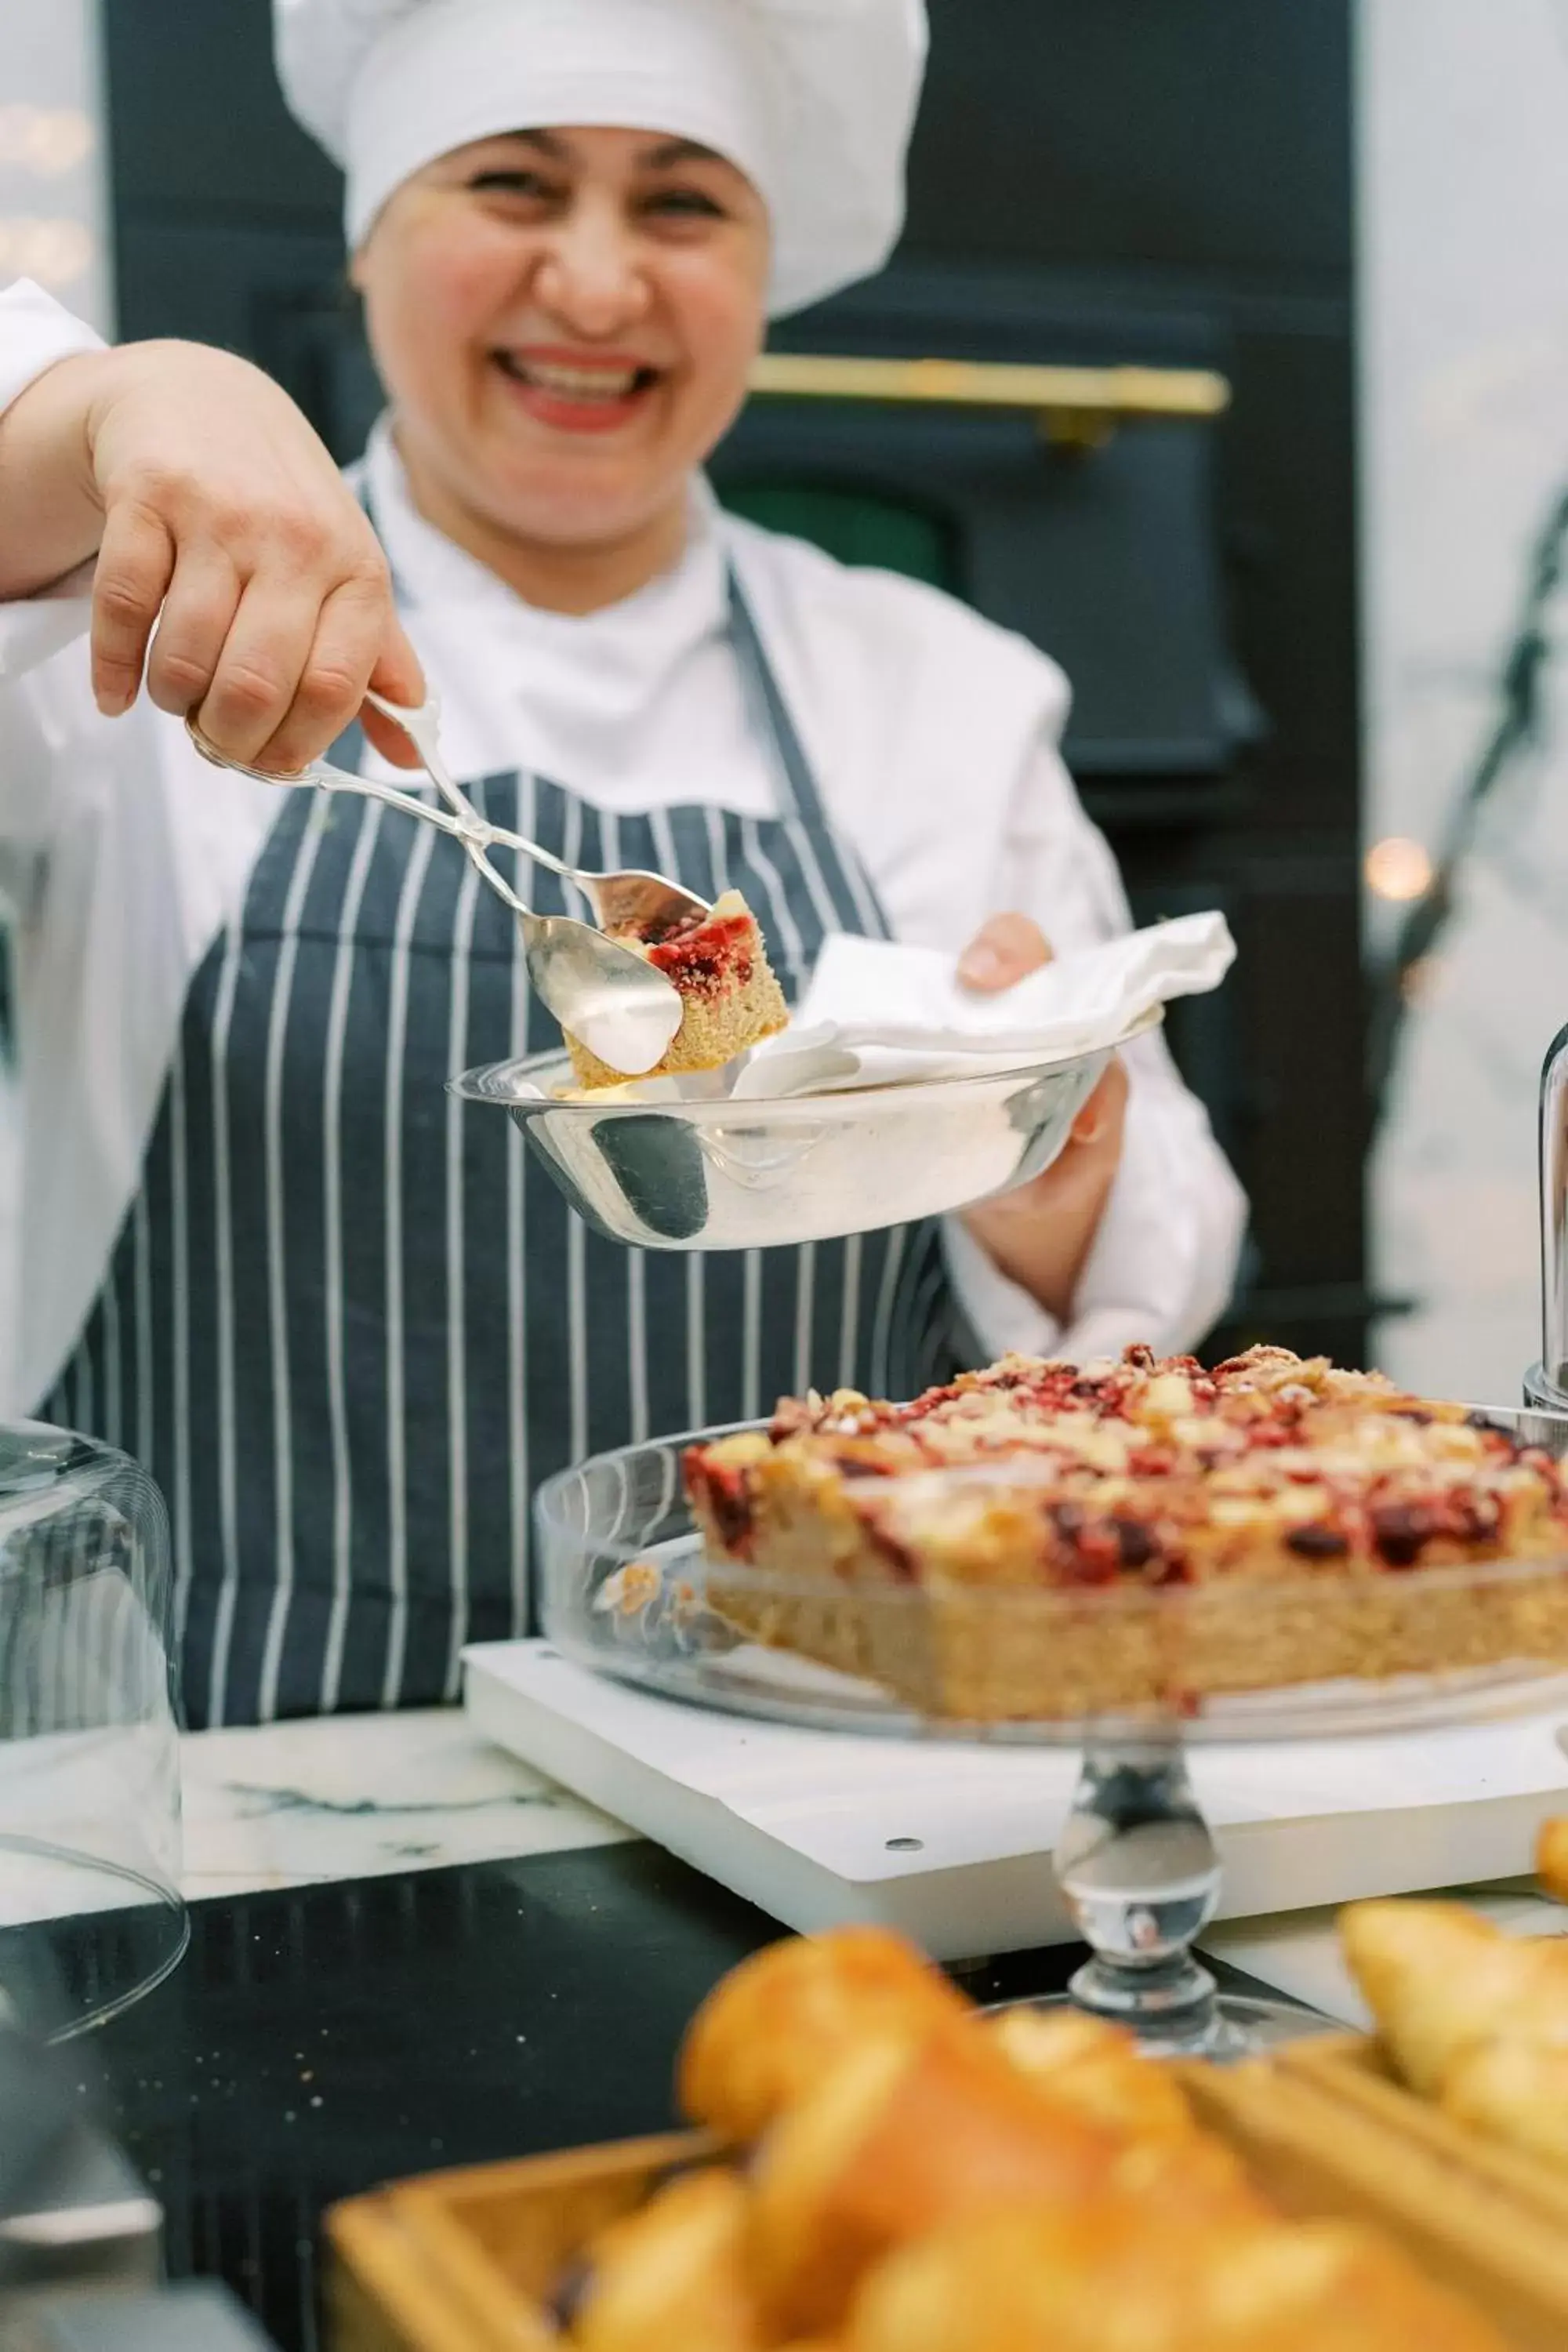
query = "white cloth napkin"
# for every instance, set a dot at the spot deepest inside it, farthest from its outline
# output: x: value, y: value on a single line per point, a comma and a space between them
x: 877, y: 1013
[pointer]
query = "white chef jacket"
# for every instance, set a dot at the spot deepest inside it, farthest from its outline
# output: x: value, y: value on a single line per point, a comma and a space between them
x: 934, y: 735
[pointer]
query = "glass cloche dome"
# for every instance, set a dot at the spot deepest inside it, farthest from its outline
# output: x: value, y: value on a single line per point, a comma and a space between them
x: 90, y: 1911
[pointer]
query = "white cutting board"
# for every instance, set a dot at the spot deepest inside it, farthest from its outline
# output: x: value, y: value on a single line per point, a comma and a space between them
x: 953, y: 1843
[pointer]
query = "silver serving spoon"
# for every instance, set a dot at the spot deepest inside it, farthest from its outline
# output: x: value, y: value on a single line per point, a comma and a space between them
x: 627, y: 900
x: 622, y: 1007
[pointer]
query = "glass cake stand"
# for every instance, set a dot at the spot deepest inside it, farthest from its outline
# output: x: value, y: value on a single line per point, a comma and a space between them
x: 627, y: 1591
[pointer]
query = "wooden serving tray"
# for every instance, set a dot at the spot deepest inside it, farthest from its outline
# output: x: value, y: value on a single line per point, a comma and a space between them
x: 1356, y: 2068
x: 1325, y: 2127
x: 466, y: 2261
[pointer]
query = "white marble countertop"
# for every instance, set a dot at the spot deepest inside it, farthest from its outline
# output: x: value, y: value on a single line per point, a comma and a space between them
x: 359, y: 1796
x: 362, y: 1796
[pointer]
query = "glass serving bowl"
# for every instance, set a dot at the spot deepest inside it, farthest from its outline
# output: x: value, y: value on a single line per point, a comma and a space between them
x: 1129, y: 1677
x: 90, y: 1911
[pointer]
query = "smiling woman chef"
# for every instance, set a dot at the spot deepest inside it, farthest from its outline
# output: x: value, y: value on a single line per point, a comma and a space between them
x: 348, y: 1326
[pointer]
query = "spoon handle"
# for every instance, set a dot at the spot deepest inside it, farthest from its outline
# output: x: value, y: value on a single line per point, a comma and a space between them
x: 531, y: 850
x: 478, y: 853
x: 421, y: 728
x: 322, y: 777
x: 573, y: 991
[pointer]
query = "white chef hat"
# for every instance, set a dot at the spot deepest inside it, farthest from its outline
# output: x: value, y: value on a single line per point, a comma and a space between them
x: 813, y: 100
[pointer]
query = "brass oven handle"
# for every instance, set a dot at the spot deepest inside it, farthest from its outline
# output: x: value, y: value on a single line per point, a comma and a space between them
x: 1072, y: 404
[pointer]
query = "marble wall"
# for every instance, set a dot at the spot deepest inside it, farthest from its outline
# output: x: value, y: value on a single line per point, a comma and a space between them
x: 1464, y: 256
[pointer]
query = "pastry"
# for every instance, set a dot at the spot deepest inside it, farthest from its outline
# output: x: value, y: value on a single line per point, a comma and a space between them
x: 904, y: 2136
x: 1117, y: 2277
x: 1080, y: 2063
x: 1551, y: 1858
x: 1514, y: 2087
x: 730, y: 999
x: 899, y: 2139
x: 922, y: 2178
x: 1440, y: 1979
x: 1253, y: 1526
x: 773, y: 2028
x: 1473, y: 2018
x: 672, y: 2277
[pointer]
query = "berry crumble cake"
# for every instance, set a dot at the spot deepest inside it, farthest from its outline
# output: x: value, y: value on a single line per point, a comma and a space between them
x: 1157, y: 1531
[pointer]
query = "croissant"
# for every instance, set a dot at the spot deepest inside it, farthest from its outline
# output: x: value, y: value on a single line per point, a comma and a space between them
x: 1094, y: 2069
x: 899, y: 2139
x: 1514, y: 2088
x: 777, y: 2025
x: 1551, y: 1857
x: 672, y: 2277
x: 1195, y: 2180
x: 1114, y: 2277
x: 1439, y: 1978
x: 927, y: 2180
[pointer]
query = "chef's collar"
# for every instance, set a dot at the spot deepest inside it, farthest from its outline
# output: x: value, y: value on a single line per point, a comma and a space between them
x: 813, y: 100
x: 432, y: 569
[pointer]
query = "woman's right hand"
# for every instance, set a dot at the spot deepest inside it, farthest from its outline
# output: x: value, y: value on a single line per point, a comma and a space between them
x: 235, y: 566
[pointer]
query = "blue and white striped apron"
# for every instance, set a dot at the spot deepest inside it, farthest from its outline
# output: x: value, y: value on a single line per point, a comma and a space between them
x: 349, y: 1323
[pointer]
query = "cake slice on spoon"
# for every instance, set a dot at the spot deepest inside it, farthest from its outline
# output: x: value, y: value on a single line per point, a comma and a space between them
x: 730, y: 998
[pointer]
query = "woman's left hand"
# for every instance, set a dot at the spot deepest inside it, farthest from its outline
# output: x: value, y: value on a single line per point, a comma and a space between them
x: 1041, y: 1235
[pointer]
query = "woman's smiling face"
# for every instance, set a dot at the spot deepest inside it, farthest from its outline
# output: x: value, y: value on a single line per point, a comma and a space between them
x: 565, y: 321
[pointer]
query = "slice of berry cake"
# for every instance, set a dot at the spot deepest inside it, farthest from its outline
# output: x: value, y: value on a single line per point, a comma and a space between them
x: 730, y: 998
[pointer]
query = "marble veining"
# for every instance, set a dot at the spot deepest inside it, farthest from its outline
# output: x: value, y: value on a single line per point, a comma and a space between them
x: 343, y: 1797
